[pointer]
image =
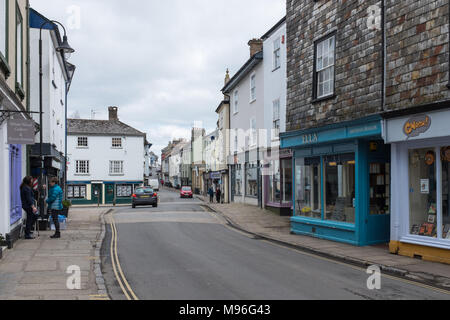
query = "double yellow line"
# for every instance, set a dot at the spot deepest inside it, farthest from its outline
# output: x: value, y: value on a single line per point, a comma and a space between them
x: 124, y: 285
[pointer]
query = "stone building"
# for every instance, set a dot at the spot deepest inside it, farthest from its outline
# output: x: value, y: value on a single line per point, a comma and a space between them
x: 364, y: 81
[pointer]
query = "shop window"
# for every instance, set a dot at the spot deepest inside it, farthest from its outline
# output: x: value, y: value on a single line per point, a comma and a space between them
x: 76, y: 192
x: 251, y: 182
x: 422, y: 193
x: 380, y: 188
x: 308, y: 187
x: 275, y: 182
x: 445, y: 156
x: 238, y: 181
x: 339, y: 184
x: 124, y: 191
x: 286, y: 167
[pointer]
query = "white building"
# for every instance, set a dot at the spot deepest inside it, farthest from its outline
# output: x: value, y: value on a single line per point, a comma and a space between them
x: 106, y: 160
x: 56, y: 80
x: 277, y: 176
x: 246, y: 91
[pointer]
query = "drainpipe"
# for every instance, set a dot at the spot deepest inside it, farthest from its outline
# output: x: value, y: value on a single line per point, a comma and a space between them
x: 448, y: 85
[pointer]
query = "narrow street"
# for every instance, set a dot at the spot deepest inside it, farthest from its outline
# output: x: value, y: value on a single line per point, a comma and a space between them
x: 181, y: 251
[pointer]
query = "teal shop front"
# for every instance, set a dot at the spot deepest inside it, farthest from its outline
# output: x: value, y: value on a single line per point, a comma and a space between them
x: 341, y: 182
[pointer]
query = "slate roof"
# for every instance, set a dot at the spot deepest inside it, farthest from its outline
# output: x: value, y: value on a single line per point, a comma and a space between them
x: 101, y: 128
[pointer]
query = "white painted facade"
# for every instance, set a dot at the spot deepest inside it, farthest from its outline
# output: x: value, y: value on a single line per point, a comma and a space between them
x: 275, y: 82
x: 100, y: 152
x: 53, y: 87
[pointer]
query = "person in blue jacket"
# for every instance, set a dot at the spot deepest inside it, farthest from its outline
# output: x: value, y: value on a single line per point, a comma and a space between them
x: 54, y: 201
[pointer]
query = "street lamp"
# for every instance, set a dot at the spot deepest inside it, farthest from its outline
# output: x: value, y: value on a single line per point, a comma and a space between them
x: 66, y: 50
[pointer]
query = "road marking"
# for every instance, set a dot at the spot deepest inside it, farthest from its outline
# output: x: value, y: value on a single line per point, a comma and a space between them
x: 116, y: 264
x: 359, y: 268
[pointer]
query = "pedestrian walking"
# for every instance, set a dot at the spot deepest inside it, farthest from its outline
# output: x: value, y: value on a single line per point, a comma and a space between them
x: 28, y: 205
x: 54, y: 201
x: 211, y: 195
x: 218, y: 195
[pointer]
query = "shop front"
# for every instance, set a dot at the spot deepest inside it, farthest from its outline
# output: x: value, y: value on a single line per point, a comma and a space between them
x: 101, y: 192
x: 341, y: 179
x: 278, y: 186
x: 420, y: 184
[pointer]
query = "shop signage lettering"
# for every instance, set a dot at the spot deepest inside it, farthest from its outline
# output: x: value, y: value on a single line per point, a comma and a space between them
x: 310, y: 138
x: 415, y: 126
x: 20, y: 132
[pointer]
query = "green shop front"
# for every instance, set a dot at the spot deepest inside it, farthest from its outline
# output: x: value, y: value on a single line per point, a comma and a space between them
x: 101, y: 192
x: 341, y: 176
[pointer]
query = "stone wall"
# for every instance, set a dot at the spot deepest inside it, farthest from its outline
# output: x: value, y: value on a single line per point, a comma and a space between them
x: 417, y: 52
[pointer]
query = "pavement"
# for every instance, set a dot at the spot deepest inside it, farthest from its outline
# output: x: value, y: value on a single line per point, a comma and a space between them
x: 267, y: 225
x: 37, y: 269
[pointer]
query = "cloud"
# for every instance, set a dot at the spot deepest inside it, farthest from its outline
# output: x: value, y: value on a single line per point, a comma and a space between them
x: 161, y: 62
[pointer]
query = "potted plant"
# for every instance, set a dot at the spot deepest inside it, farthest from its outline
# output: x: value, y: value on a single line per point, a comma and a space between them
x: 66, y: 206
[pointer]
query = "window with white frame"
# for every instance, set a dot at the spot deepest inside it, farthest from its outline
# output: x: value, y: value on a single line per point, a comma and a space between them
x: 324, y: 67
x: 115, y: 167
x: 253, y: 88
x: 19, y: 48
x: 3, y: 29
x: 236, y: 101
x: 276, y: 117
x: 82, y: 142
x: 82, y: 167
x: 253, y: 137
x: 117, y: 143
x: 277, y: 54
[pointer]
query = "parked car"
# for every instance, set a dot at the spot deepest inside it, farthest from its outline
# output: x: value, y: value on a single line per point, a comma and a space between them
x: 145, y: 197
x: 186, y: 192
x: 154, y: 183
x: 168, y: 185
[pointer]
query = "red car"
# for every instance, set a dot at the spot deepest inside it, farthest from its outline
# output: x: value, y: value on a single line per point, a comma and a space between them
x: 186, y: 192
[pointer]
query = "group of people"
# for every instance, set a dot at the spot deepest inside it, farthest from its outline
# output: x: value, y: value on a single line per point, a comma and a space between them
x: 212, y: 193
x: 54, y: 201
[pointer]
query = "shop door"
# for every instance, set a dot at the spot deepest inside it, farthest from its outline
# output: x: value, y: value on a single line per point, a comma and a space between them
x: 378, y: 218
x: 109, y: 196
x: 97, y: 195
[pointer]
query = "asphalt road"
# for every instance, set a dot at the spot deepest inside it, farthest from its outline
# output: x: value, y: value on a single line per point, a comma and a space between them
x: 179, y: 251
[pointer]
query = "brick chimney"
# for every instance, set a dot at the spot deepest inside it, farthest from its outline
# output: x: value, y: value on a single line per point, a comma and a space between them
x: 256, y: 45
x: 113, y: 113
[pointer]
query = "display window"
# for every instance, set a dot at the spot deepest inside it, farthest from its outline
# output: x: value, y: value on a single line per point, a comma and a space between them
x: 124, y: 191
x: 445, y: 157
x: 275, y: 182
x: 238, y: 181
x: 251, y: 179
x: 286, y: 170
x: 308, y: 188
x: 339, y: 185
x: 429, y: 192
x: 380, y: 188
x: 76, y: 192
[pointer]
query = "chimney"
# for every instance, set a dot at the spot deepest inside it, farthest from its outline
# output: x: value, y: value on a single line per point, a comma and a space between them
x: 256, y: 45
x: 113, y: 113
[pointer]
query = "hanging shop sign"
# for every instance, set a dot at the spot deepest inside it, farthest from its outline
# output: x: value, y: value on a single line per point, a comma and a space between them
x: 20, y: 131
x: 417, y: 125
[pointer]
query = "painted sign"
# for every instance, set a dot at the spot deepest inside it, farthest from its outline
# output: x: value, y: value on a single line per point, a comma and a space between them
x: 310, y: 138
x: 21, y: 131
x: 417, y: 125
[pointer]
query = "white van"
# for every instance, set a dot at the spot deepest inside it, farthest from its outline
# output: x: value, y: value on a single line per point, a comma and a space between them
x: 154, y: 183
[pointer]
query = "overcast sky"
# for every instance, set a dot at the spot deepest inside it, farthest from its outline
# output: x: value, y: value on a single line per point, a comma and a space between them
x: 162, y: 63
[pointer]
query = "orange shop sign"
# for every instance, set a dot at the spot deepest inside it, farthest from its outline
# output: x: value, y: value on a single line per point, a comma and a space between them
x: 417, y: 125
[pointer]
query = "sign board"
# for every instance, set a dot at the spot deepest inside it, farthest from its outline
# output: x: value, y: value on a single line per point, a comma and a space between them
x: 417, y: 125
x: 21, y: 131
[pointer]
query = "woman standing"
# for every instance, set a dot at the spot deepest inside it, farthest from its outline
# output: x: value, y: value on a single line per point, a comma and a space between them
x: 26, y: 195
x: 54, y: 201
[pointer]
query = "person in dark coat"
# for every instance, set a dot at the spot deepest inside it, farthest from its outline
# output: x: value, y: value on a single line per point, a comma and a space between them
x: 211, y: 195
x: 218, y: 195
x: 28, y: 205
